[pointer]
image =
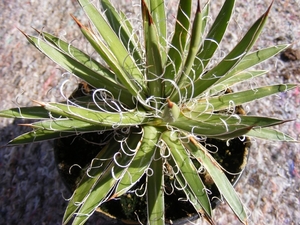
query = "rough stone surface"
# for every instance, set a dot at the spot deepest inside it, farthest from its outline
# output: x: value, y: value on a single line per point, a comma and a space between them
x: 31, y: 191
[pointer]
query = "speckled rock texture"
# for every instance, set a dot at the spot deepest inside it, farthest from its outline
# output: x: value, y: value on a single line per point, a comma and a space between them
x: 31, y: 192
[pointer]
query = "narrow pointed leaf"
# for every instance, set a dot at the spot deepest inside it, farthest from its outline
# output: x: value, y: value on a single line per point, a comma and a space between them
x: 178, y: 45
x: 187, y: 169
x: 214, y: 37
x: 217, y: 130
x: 218, y: 176
x: 228, y: 63
x: 67, y: 125
x: 157, y: 12
x: 248, y: 61
x: 33, y: 112
x: 140, y: 162
x: 155, y: 193
x: 246, y: 120
x: 196, y: 38
x: 113, y: 42
x: 255, y: 58
x: 102, y: 191
x: 232, y: 59
x: 73, y: 66
x: 123, y: 74
x: 270, y: 134
x: 95, y: 196
x: 105, y: 119
x: 153, y: 55
x: 191, y: 197
x: 90, y: 179
x: 237, y: 98
x: 123, y: 29
x: 236, y: 79
x: 37, y: 135
x: 222, y: 126
x: 79, y: 55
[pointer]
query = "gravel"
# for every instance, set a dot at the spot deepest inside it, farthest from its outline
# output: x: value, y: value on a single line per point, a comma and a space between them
x: 31, y: 192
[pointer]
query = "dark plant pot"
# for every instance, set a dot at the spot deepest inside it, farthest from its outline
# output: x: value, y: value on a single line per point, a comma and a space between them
x: 76, y: 152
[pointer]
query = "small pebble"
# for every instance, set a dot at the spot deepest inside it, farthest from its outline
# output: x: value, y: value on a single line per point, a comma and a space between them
x: 290, y: 55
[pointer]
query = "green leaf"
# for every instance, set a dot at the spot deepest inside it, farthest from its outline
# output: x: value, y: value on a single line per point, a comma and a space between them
x: 113, y: 43
x: 232, y: 59
x: 191, y: 197
x: 153, y: 56
x: 219, y: 129
x: 178, y: 45
x: 255, y: 58
x: 196, y: 39
x: 78, y: 55
x: 246, y: 120
x: 143, y: 156
x: 95, y: 196
x: 37, y: 135
x: 171, y: 112
x: 157, y: 12
x: 104, y: 119
x: 229, y: 101
x: 67, y: 125
x: 155, y: 191
x: 221, y: 126
x: 270, y: 134
x: 82, y: 71
x: 98, y: 167
x: 238, y: 73
x: 214, y: 37
x: 33, y: 112
x: 123, y: 29
x: 242, y: 76
x: 206, y: 80
x: 186, y: 168
x: 124, y: 74
x: 102, y: 190
x: 218, y: 176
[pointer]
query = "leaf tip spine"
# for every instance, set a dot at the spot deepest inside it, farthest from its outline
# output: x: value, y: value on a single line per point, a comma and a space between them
x: 198, y: 7
x: 170, y: 104
x: 77, y: 21
x: 43, y: 104
x: 147, y: 13
x: 26, y: 125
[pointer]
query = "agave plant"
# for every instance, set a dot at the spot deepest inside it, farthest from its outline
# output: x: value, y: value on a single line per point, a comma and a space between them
x: 161, y: 97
